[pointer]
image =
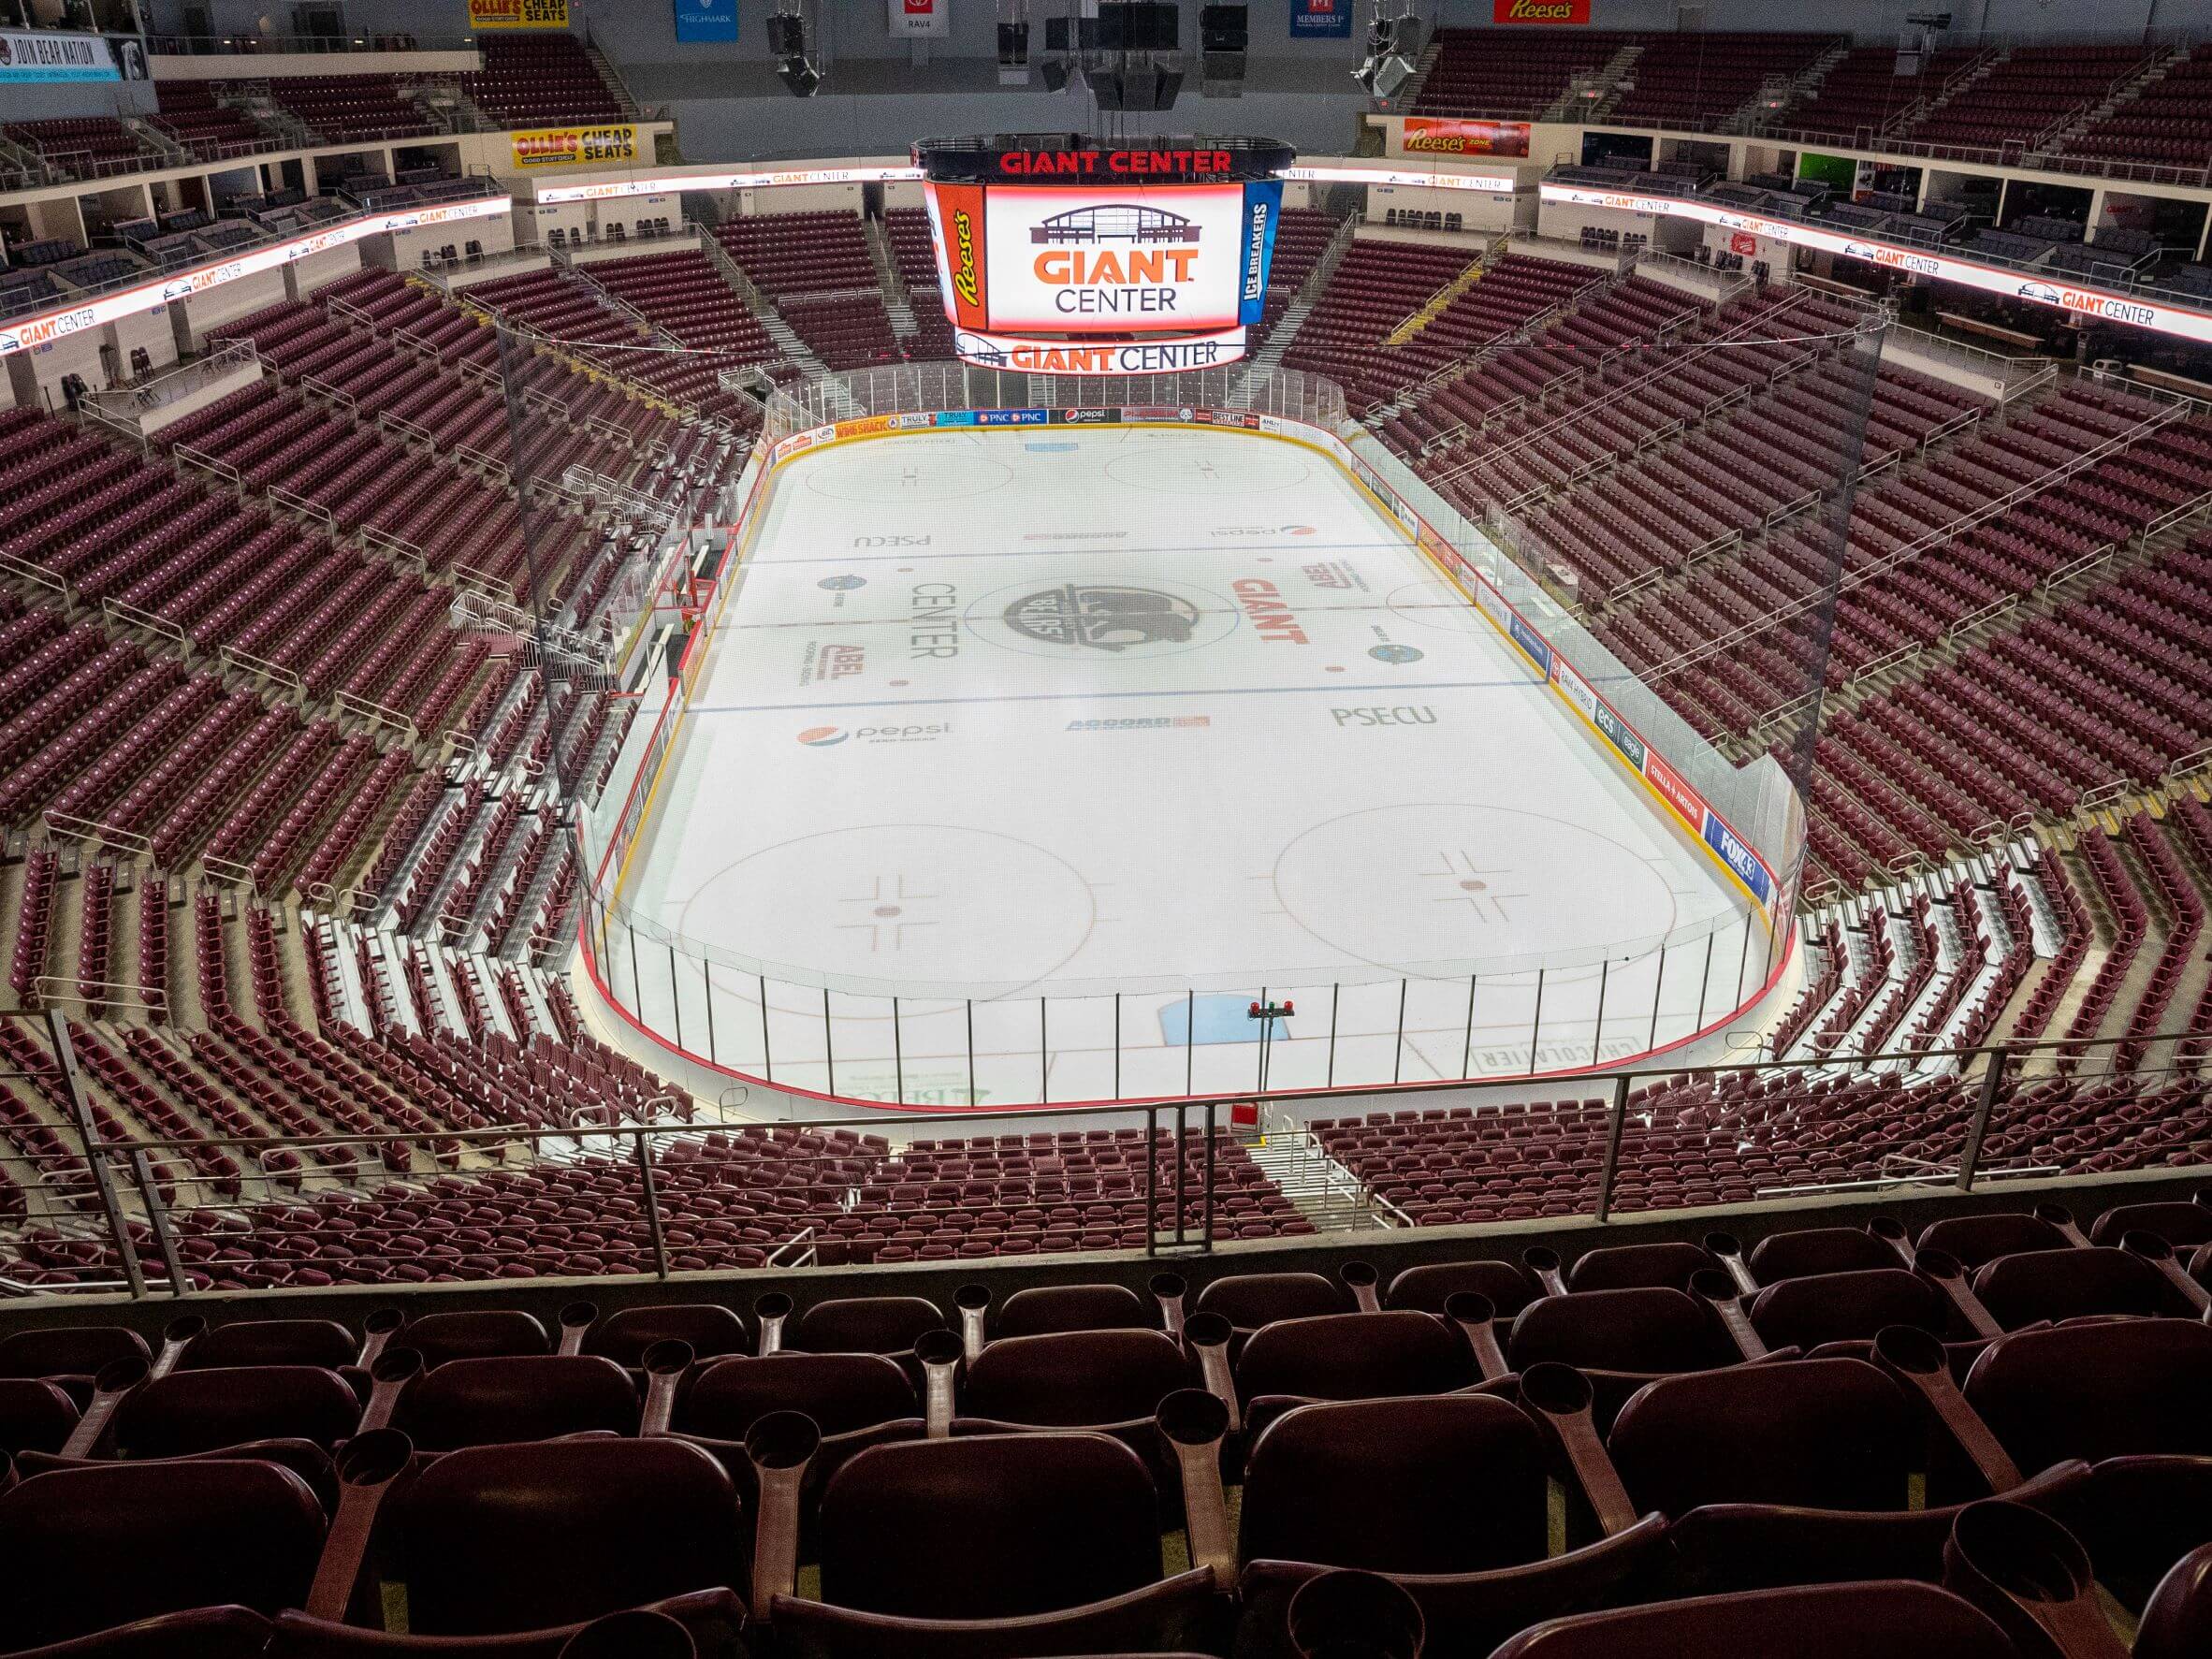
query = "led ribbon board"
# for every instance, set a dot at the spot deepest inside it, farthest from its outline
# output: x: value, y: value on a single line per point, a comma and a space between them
x: 2014, y: 284
x: 1055, y: 257
x: 92, y: 313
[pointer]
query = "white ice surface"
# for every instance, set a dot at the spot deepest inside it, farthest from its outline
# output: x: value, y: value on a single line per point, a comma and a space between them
x: 1053, y: 713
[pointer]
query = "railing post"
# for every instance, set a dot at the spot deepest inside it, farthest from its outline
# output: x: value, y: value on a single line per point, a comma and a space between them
x: 1597, y: 1031
x: 65, y: 1054
x: 829, y: 1043
x: 1535, y: 1026
x: 707, y: 977
x: 1992, y: 1086
x: 1467, y: 1043
x: 1398, y: 1047
x: 1152, y: 1181
x: 1613, y: 1130
x: 767, y: 1055
x: 1335, y: 995
x: 676, y: 995
x: 970, y: 1006
x: 1658, y: 992
x: 1117, y: 1045
x: 158, y: 1218
x: 1207, y: 1201
x: 898, y: 1056
x: 652, y: 1203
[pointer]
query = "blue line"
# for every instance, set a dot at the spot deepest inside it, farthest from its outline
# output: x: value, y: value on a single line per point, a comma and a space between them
x: 1396, y: 686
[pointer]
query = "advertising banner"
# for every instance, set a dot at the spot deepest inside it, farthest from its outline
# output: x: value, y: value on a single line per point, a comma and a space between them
x: 1101, y: 260
x: 1160, y: 355
x: 1558, y: 13
x: 705, y: 20
x: 1263, y: 208
x: 1618, y: 735
x: 1529, y: 640
x: 913, y: 18
x: 574, y: 146
x: 28, y: 56
x: 1437, y: 135
x: 956, y: 222
x: 1321, y: 19
x: 1672, y: 788
x: 1738, y: 857
x: 517, y: 14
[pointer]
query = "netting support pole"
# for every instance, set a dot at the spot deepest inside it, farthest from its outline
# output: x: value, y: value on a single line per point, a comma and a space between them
x: 1597, y: 1032
x: 1535, y: 1026
x: 88, y: 1141
x: 898, y: 1056
x: 1658, y: 991
x: 1467, y: 1043
x: 767, y: 1055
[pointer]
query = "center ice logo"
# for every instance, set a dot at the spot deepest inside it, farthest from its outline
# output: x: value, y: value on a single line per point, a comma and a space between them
x: 1104, y: 619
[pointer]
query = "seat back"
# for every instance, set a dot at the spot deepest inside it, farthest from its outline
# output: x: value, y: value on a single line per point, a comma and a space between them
x: 842, y: 1393
x: 1650, y: 1328
x: 69, y: 1350
x: 711, y: 1329
x: 517, y: 1397
x: 1249, y: 1301
x: 1354, y: 1357
x: 1426, y: 1288
x: 1978, y: 1239
x: 88, y: 1548
x: 1626, y: 1267
x: 1075, y: 1379
x: 1385, y: 1484
x: 1042, y: 1309
x: 498, y: 1538
x: 2181, y: 1225
x: 1897, y: 1620
x: 2098, y: 1390
x: 479, y: 1333
x: 988, y: 1526
x: 2070, y: 1284
x: 1812, y: 1250
x: 272, y: 1342
x: 1845, y: 1306
x: 194, y: 1411
x: 863, y: 1325
x: 1818, y: 1434
x: 35, y: 1415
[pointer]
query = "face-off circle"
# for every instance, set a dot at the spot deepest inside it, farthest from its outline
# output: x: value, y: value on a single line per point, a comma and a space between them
x: 929, y: 471
x: 1412, y: 887
x: 922, y: 904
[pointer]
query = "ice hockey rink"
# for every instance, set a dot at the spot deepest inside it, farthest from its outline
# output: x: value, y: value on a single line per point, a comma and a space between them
x: 1074, y: 741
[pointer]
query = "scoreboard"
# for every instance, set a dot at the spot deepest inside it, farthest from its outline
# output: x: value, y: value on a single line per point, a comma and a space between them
x: 1057, y: 255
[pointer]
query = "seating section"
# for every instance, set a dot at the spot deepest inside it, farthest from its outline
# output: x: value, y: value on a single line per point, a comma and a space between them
x: 81, y: 147
x: 817, y: 271
x: 2015, y: 100
x: 1511, y: 74
x: 1862, y: 96
x: 1399, y: 314
x: 540, y: 78
x: 343, y: 109
x: 1786, y: 1444
x: 2167, y: 122
x: 193, y: 113
x: 563, y: 307
x: 1701, y: 80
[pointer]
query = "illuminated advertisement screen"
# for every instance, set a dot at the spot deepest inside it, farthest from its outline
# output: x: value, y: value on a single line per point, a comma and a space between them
x: 1100, y: 259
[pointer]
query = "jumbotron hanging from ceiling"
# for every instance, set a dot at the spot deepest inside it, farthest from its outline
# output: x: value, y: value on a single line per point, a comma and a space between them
x: 1059, y: 255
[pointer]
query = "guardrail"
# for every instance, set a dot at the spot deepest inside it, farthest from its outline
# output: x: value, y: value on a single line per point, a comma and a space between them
x: 137, y: 1199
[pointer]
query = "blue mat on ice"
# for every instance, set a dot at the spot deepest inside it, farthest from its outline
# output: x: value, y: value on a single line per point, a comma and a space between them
x: 1219, y: 1017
